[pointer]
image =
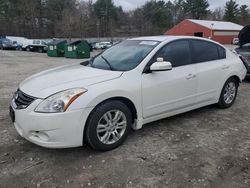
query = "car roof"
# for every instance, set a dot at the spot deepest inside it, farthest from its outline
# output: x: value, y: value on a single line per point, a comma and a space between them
x: 163, y: 38
x: 160, y: 38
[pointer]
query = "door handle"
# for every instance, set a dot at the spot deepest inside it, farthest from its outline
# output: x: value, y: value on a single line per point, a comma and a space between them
x: 190, y: 76
x: 224, y: 67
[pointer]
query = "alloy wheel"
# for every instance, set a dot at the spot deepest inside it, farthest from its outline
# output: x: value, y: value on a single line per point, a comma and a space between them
x: 111, y: 126
x: 229, y: 92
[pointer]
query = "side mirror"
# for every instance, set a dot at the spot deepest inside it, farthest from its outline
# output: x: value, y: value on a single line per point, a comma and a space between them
x: 161, y: 65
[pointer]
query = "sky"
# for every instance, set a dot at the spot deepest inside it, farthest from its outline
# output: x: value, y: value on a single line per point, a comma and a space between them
x: 133, y: 4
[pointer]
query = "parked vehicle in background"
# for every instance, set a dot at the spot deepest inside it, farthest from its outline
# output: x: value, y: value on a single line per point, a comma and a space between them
x: 102, y: 45
x: 18, y: 45
x: 235, y: 41
x: 244, y: 47
x: 37, y: 45
x: 21, y: 42
x: 135, y: 82
x: 244, y: 52
x: 26, y: 43
x: 7, y: 44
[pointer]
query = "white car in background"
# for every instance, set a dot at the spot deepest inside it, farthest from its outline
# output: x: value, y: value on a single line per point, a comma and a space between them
x: 135, y: 82
x: 37, y: 45
x: 102, y: 45
x: 23, y: 41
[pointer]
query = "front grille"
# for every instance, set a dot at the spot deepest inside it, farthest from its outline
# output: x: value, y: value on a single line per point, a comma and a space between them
x: 22, y: 100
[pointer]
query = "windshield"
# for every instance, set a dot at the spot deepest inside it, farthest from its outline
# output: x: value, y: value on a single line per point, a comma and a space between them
x: 124, y: 56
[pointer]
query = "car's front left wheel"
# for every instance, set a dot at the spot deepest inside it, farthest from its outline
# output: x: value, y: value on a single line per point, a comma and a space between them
x: 108, y: 125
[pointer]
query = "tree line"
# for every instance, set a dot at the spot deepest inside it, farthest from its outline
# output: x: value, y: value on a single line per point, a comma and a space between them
x: 102, y: 18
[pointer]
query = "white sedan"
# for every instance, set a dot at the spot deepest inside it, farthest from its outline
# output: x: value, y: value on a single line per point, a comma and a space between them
x: 135, y: 82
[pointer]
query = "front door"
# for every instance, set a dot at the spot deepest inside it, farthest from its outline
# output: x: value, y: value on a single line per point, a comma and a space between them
x: 168, y: 91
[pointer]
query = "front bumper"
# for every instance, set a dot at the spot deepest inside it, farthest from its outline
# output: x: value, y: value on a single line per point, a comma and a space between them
x: 51, y: 130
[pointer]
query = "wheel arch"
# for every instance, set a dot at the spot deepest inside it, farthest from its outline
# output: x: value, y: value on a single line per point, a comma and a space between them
x: 234, y: 75
x: 124, y: 100
x: 237, y: 78
x: 221, y: 103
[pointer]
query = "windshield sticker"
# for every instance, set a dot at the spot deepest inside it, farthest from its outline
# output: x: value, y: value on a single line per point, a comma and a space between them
x: 150, y: 43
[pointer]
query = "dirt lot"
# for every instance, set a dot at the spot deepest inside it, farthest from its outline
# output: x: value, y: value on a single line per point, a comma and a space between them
x: 208, y: 147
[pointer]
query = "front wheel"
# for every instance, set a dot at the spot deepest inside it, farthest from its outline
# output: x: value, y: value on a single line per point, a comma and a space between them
x: 108, y: 126
x: 228, y: 93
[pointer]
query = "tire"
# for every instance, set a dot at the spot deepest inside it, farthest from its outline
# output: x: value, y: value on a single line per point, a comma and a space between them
x: 40, y: 50
x: 228, y: 93
x: 111, y: 134
x: 28, y: 49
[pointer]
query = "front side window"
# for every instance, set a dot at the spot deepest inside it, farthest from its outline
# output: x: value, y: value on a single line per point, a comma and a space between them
x: 124, y: 56
x: 204, y: 51
x: 177, y: 53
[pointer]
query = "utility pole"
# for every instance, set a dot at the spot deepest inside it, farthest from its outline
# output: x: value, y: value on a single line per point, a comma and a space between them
x: 211, y: 31
x: 98, y: 29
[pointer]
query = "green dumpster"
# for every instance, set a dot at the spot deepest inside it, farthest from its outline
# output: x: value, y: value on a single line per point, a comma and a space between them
x: 77, y: 49
x: 56, y: 48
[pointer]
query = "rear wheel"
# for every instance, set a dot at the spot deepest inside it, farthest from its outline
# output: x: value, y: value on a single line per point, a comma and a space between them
x: 228, y: 93
x: 108, y: 126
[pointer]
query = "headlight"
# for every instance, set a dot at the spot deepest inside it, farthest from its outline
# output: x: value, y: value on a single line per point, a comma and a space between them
x: 59, y: 102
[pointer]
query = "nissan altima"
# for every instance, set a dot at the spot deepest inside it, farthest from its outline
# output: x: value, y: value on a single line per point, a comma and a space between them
x: 135, y: 82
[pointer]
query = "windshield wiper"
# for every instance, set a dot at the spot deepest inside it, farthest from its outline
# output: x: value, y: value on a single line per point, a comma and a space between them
x: 110, y: 67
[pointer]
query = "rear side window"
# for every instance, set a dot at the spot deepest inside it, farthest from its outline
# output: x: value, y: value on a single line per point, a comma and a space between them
x: 177, y: 53
x: 204, y: 51
x: 222, y: 52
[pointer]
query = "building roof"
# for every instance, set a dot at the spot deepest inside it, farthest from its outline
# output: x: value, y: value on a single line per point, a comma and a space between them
x: 218, y: 25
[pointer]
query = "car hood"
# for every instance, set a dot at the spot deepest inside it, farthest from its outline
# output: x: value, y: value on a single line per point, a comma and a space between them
x: 48, y: 82
x: 244, y: 35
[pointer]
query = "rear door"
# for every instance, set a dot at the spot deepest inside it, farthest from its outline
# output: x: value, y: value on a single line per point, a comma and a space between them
x: 212, y: 68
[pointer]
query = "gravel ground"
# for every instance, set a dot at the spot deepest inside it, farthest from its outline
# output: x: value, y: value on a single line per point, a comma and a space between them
x: 208, y: 147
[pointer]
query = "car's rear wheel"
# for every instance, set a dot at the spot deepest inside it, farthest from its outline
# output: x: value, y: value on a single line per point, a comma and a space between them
x: 228, y: 93
x: 108, y: 125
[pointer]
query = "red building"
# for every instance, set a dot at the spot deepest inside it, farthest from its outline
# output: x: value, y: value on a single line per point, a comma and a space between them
x: 222, y: 32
